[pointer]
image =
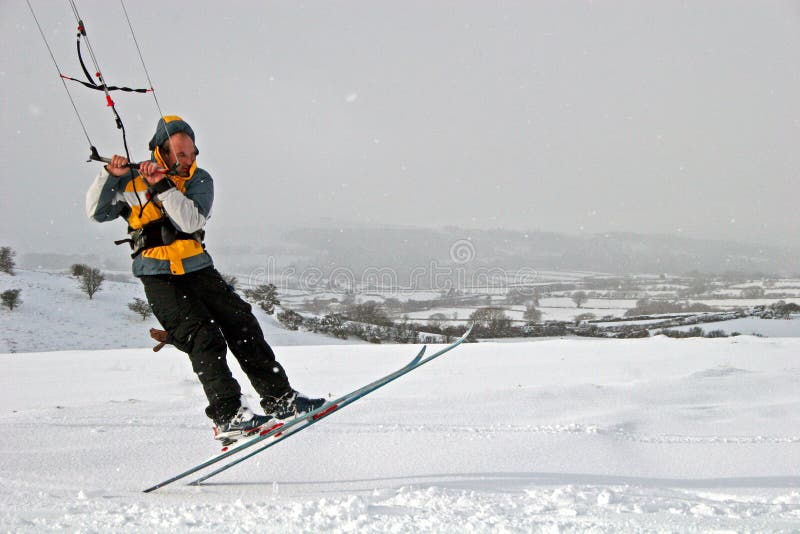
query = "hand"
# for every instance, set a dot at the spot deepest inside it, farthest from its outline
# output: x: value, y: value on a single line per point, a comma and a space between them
x: 151, y: 172
x: 118, y: 166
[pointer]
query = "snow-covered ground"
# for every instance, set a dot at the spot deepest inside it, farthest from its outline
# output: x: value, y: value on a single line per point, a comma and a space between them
x: 727, y: 304
x: 552, y: 308
x: 555, y: 435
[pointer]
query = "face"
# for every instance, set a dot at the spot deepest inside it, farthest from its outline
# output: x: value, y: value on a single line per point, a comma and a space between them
x: 181, y: 150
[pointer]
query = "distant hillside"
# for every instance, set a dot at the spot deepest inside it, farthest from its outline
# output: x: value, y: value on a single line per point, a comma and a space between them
x: 360, y: 247
x: 56, y: 315
x: 326, y: 246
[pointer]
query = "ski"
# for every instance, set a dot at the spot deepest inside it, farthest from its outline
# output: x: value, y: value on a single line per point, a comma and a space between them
x: 334, y: 407
x: 280, y: 428
x: 303, y: 421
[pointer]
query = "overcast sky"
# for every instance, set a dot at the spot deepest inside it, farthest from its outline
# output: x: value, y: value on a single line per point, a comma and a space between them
x: 580, y: 117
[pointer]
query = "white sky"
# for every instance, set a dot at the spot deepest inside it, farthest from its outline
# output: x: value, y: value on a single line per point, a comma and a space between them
x: 581, y: 117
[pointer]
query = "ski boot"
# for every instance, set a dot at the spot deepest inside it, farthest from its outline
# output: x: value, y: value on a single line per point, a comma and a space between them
x: 244, y: 424
x: 289, y: 405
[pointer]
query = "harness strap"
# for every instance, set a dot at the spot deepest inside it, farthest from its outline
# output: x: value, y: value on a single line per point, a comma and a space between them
x: 157, y: 234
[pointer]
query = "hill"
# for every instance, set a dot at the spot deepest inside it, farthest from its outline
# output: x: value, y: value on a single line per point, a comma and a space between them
x: 336, y: 244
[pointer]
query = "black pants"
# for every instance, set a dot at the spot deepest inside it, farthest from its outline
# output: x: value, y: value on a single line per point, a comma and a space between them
x: 201, y: 312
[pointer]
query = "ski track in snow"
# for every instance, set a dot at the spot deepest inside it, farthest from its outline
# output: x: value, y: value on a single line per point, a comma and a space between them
x: 553, y: 436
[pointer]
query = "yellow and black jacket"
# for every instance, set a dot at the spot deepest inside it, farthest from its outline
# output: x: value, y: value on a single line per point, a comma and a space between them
x: 184, y: 207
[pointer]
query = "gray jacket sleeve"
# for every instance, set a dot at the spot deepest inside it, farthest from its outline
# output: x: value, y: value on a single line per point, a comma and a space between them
x: 104, y: 199
x: 189, y: 211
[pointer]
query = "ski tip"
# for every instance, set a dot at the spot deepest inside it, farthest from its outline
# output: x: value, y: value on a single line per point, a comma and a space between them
x: 469, y: 331
x: 418, y: 357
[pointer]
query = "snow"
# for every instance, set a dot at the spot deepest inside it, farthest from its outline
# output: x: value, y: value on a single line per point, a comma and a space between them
x: 559, y: 435
x: 741, y: 303
x: 552, y: 308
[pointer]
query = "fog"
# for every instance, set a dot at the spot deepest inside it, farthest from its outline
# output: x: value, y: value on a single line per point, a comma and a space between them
x: 678, y: 118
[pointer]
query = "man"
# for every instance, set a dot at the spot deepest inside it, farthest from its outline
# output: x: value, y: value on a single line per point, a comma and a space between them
x: 201, y: 313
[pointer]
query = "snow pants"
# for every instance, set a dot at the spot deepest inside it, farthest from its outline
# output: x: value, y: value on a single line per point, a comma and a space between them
x: 201, y: 314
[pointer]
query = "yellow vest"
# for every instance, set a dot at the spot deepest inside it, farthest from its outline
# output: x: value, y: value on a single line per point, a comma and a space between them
x: 178, y: 250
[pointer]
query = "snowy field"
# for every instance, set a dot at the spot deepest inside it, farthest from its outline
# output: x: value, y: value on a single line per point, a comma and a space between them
x: 553, y: 435
x: 552, y: 308
x: 727, y: 304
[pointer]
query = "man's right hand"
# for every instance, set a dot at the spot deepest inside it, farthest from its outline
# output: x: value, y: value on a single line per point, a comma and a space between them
x: 118, y: 166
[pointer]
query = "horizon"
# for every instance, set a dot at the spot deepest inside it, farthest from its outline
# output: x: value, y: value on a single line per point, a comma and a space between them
x: 358, y: 246
x: 110, y: 232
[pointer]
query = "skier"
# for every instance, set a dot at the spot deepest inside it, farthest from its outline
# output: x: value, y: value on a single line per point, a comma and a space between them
x: 166, y: 204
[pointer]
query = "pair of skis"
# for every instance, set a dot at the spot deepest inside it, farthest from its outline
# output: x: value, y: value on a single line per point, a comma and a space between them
x: 276, y: 434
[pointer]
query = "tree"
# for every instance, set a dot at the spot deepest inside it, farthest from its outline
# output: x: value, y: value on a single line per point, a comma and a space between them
x: 290, y: 319
x: 265, y: 295
x: 493, y: 322
x: 436, y: 321
x: 77, y: 269
x: 405, y: 331
x: 91, y: 281
x: 10, y: 298
x: 579, y: 298
x: 368, y: 312
x: 584, y: 317
x: 523, y: 295
x: 532, y: 315
x: 141, y: 307
x: 782, y: 309
x: 7, y: 262
x: 333, y: 324
x: 231, y: 280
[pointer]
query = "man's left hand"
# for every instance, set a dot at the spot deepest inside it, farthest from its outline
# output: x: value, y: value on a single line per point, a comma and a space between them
x: 151, y: 172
